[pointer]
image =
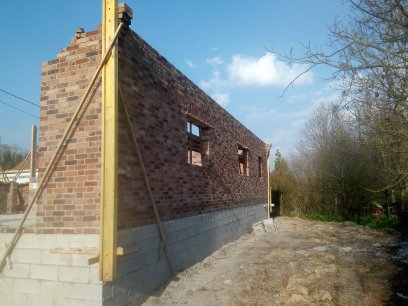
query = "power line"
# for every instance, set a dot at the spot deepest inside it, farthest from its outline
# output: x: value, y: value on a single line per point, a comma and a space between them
x: 19, y: 109
x: 22, y: 99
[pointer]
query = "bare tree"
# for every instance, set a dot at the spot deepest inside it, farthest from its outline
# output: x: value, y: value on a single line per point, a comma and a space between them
x: 370, y: 58
x: 335, y: 166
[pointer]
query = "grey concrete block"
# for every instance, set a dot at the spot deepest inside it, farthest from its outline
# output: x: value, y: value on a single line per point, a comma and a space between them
x: 43, y: 272
x: 13, y: 299
x: 89, y: 241
x: 40, y: 300
x: 27, y: 286
x: 6, y: 284
x: 130, y: 264
x: 17, y: 271
x: 58, y: 289
x: 153, y: 256
x: 30, y: 241
x: 5, y: 238
x: 26, y: 256
x: 149, y: 244
x: 54, y: 241
x: 88, y: 292
x: 47, y: 258
x: 74, y: 274
x: 190, y: 240
x: 94, y: 275
x: 75, y: 302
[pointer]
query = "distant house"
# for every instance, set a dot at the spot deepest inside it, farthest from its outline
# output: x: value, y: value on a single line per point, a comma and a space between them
x: 20, y: 173
x: 15, y: 186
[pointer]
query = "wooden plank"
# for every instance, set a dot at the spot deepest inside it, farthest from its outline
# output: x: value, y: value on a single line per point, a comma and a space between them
x: 120, y: 251
x: 197, y: 121
x: 108, y: 212
x: 33, y: 152
x: 93, y: 260
x: 127, y: 250
x: 74, y: 250
x: 268, y: 161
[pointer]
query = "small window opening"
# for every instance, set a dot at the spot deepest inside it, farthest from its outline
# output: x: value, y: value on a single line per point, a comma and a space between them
x: 243, y: 160
x: 193, y: 129
x: 198, y: 132
x: 260, y: 168
x: 194, y: 156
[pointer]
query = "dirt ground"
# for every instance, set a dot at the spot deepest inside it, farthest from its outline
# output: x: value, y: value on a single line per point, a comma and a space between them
x: 298, y: 263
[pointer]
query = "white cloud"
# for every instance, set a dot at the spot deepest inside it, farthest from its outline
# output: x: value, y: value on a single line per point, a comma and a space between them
x: 242, y: 71
x: 267, y: 70
x: 216, y: 60
x: 189, y: 63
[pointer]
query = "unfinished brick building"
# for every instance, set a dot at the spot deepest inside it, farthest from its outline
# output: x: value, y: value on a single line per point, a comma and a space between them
x: 207, y: 173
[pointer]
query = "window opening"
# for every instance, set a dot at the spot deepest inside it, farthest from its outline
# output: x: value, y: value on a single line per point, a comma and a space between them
x: 198, y: 132
x: 194, y: 155
x: 260, y: 168
x: 243, y: 160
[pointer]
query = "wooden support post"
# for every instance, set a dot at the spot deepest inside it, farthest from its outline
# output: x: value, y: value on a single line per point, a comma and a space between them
x: 147, y: 183
x: 268, y: 166
x: 33, y: 152
x: 109, y: 184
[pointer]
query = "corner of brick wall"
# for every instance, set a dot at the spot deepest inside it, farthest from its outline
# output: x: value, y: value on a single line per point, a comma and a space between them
x: 70, y: 201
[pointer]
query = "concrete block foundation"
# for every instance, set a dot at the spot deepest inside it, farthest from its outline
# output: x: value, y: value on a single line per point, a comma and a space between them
x: 190, y: 240
x: 36, y: 277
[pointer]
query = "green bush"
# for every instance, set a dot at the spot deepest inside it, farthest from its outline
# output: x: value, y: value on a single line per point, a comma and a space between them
x: 383, y: 222
x: 371, y: 222
x: 318, y: 217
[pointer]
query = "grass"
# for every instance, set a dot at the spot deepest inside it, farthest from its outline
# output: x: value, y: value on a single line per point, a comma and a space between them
x: 379, y: 223
x: 324, y: 218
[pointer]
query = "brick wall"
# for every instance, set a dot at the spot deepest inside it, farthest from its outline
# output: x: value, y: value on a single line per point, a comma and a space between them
x: 13, y: 197
x: 70, y: 202
x: 4, y: 190
x: 23, y: 195
x: 158, y: 97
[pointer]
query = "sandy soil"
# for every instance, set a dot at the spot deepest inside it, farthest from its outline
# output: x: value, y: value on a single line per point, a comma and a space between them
x: 298, y: 263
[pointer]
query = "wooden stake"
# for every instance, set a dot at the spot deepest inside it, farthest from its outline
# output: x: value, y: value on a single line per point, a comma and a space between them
x: 268, y: 163
x: 33, y: 152
x: 146, y: 181
x: 109, y: 183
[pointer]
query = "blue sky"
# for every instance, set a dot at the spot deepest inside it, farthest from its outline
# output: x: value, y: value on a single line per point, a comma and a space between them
x: 222, y: 46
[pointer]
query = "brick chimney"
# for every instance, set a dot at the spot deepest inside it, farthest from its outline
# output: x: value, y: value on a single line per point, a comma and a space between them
x: 125, y: 14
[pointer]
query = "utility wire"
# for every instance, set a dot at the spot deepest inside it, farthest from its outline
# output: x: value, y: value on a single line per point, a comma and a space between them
x: 22, y: 99
x: 19, y: 109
